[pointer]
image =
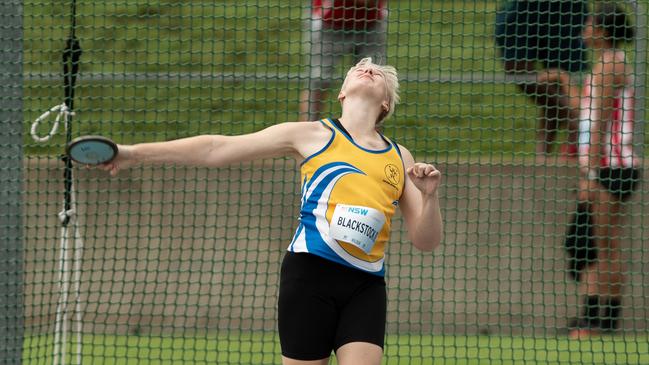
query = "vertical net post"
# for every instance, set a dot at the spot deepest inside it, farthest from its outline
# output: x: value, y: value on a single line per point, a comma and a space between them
x: 640, y: 68
x: 11, y: 276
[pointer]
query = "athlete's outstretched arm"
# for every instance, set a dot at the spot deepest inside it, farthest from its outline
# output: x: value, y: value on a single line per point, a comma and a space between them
x: 285, y: 139
x: 420, y: 203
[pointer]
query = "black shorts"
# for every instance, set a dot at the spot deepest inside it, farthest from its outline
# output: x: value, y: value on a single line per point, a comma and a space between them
x: 545, y: 31
x: 324, y: 305
x: 619, y: 182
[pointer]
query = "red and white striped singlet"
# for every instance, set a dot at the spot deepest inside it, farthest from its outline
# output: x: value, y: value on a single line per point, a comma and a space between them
x: 617, y: 147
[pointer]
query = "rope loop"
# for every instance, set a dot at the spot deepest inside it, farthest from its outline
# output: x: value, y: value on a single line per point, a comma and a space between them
x: 64, y: 114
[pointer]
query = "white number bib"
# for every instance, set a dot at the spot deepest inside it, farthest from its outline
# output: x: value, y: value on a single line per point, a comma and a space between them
x: 357, y: 225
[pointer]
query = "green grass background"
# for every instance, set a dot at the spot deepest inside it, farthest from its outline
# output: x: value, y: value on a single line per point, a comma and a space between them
x: 263, y: 348
x: 427, y: 39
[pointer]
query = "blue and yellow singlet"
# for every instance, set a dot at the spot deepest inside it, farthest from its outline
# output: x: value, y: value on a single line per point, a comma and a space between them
x: 349, y: 195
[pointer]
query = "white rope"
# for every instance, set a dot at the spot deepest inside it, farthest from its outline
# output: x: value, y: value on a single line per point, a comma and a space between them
x: 64, y: 114
x: 67, y: 278
x: 69, y: 232
x: 60, y: 326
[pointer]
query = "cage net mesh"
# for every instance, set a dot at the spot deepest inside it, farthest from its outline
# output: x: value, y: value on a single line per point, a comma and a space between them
x: 172, y: 264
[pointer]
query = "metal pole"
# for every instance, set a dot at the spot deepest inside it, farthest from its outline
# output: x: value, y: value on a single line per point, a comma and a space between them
x: 11, y: 240
x: 640, y: 71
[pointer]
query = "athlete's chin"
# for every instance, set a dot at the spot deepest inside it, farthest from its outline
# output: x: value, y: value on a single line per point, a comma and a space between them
x: 367, y: 91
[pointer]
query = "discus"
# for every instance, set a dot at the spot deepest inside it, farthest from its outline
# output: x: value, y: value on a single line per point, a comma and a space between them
x: 91, y: 150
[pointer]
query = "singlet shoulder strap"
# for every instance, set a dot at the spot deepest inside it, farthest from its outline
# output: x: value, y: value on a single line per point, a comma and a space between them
x: 340, y: 126
x: 336, y: 122
x: 396, y: 146
x: 329, y: 124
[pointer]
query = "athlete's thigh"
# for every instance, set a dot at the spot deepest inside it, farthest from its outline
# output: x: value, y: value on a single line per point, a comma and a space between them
x: 306, y: 324
x: 359, y: 353
x: 288, y: 361
x: 363, y: 317
x: 605, y: 224
x: 306, y: 317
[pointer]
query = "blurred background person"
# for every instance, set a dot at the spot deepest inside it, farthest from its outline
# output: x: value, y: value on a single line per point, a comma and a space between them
x: 533, y: 36
x: 335, y: 29
x: 608, y: 165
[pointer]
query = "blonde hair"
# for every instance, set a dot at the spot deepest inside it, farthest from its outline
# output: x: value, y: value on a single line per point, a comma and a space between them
x: 391, y: 83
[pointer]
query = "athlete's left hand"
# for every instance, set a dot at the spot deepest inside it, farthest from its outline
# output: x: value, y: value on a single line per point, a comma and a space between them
x: 425, y: 177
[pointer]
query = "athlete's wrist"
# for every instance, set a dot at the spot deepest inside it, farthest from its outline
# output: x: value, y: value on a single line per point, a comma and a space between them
x: 432, y: 195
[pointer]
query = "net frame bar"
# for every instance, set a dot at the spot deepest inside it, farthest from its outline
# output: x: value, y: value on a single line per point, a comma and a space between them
x: 11, y: 176
x: 640, y: 70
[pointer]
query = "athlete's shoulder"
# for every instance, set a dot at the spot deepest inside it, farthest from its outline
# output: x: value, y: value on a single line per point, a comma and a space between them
x: 406, y: 156
x: 308, y: 137
x: 303, y: 129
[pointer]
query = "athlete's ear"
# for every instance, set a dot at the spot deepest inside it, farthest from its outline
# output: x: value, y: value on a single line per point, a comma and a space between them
x: 386, y: 106
x: 341, y: 96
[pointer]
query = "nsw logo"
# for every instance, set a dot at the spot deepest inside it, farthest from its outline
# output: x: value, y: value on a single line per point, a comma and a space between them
x: 357, y: 210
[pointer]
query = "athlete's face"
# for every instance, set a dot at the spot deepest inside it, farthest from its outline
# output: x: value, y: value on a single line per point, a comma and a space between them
x: 591, y: 33
x: 369, y: 81
x: 368, y: 75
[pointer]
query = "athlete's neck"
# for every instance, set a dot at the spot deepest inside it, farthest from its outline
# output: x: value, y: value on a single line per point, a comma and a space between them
x: 601, y: 47
x: 359, y: 117
x: 364, y: 137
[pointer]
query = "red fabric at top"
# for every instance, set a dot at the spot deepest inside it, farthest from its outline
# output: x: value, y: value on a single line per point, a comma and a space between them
x: 349, y: 14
